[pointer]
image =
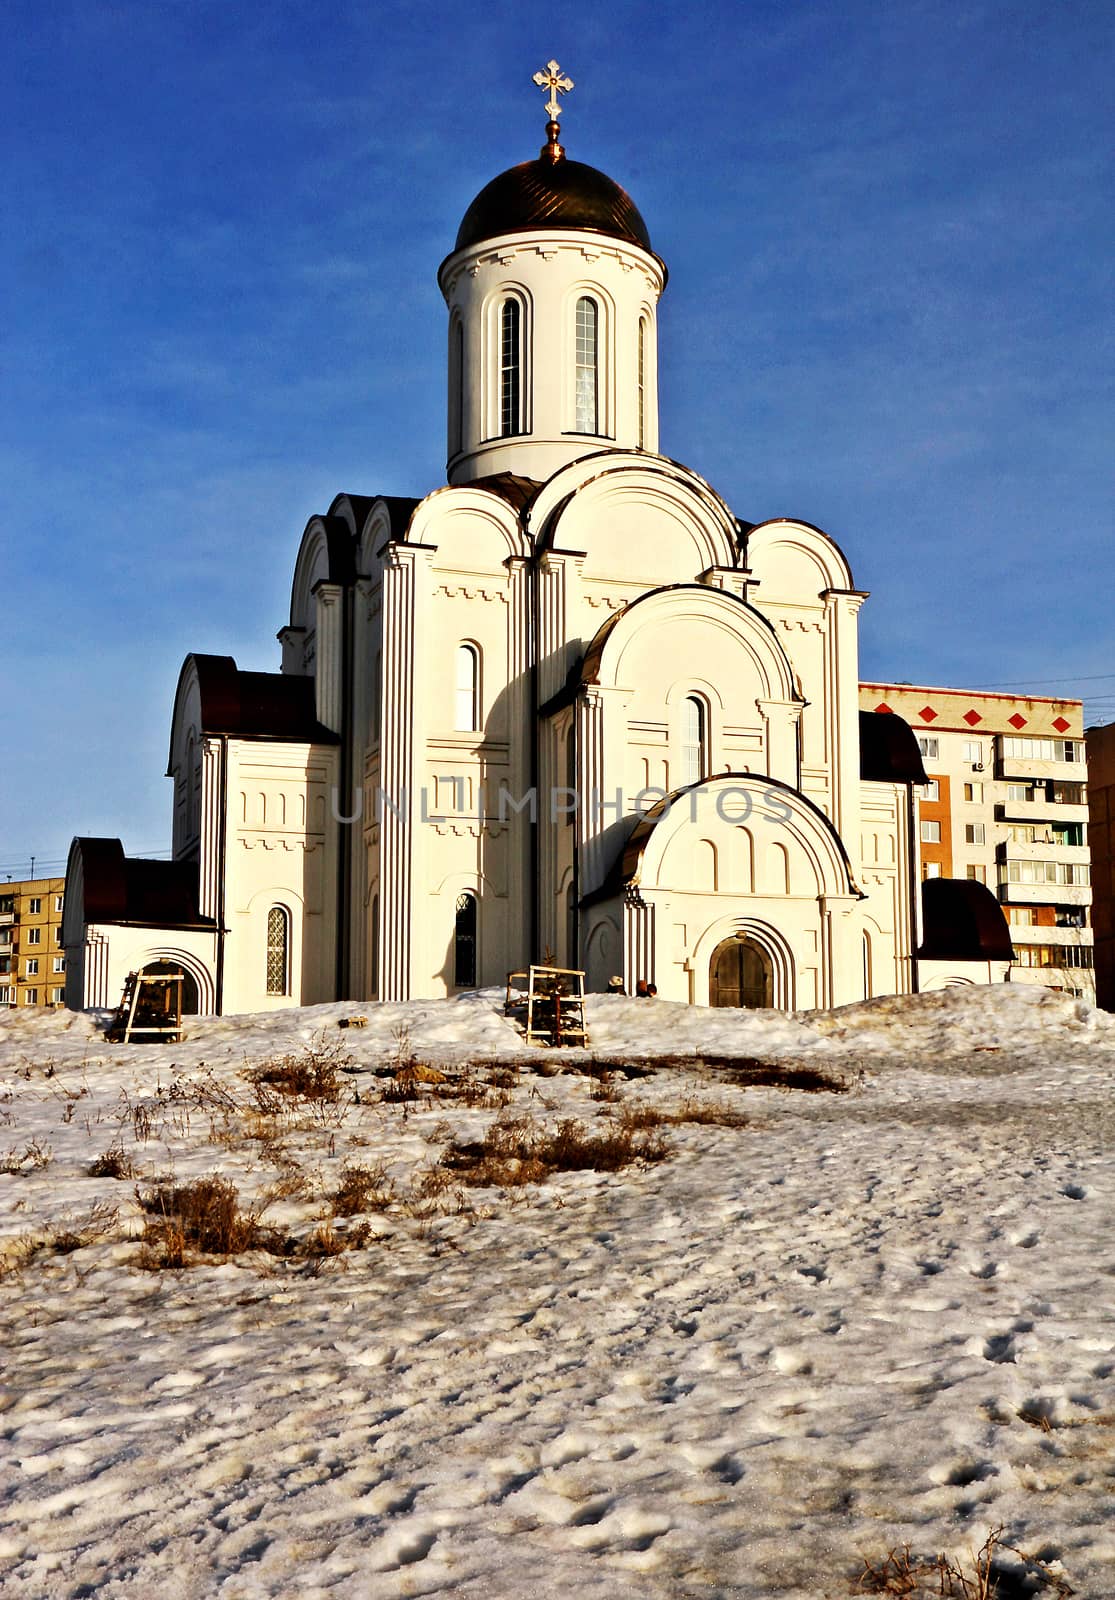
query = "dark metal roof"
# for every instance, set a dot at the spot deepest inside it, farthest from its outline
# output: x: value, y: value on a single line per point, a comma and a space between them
x: 255, y: 705
x: 518, y: 492
x: 552, y: 194
x: 962, y: 921
x: 888, y: 749
x: 131, y: 889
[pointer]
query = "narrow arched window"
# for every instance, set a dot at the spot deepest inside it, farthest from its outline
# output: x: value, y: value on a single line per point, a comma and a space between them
x: 510, y: 367
x: 587, y: 385
x: 642, y: 382
x: 278, y: 950
x: 468, y: 689
x: 694, y: 740
x: 464, y: 941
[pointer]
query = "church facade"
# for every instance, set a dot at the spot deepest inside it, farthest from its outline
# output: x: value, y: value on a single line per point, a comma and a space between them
x: 568, y: 703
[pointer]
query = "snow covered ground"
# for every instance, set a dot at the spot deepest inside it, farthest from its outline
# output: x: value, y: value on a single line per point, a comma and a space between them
x: 861, y: 1319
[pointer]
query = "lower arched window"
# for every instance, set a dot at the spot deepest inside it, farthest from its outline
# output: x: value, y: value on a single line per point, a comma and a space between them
x: 467, y: 718
x: 278, y: 950
x: 464, y: 941
x: 694, y: 741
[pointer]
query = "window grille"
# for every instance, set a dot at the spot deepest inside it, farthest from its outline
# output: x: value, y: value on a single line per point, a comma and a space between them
x: 278, y: 951
x: 587, y: 375
x: 464, y: 942
x: 510, y: 368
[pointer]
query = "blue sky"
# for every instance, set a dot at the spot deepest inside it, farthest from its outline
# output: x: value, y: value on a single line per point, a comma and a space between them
x: 889, y: 230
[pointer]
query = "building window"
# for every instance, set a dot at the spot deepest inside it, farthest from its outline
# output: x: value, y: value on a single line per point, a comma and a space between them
x: 587, y: 376
x: 973, y: 793
x: 973, y: 750
x: 468, y: 689
x: 278, y: 950
x: 7, y: 904
x: 58, y: 937
x: 464, y: 941
x: 1023, y: 749
x: 510, y: 367
x: 642, y: 382
x: 58, y: 903
x: 1022, y: 916
x: 59, y: 963
x: 976, y: 874
x: 694, y: 740
x: 31, y: 970
x: 930, y: 748
x: 58, y: 996
x: 34, y: 906
x: 931, y: 833
x: 931, y: 791
x: 34, y: 936
x: 7, y: 995
x: 30, y: 997
x: 931, y: 869
x: 975, y: 833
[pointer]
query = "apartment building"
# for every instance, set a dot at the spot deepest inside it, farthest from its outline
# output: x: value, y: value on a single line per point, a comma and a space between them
x: 1007, y: 805
x: 32, y: 960
x: 1100, y: 743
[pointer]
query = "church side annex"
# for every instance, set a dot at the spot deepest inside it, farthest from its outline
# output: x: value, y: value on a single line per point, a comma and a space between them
x: 567, y: 702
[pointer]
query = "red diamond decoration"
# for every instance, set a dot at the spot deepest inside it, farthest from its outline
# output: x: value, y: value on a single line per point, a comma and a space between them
x: 972, y: 717
x: 883, y: 707
x: 927, y: 714
x: 1017, y: 721
x: 1060, y: 724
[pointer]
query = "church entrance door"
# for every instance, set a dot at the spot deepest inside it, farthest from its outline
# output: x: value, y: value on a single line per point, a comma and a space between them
x: 172, y: 969
x: 740, y: 974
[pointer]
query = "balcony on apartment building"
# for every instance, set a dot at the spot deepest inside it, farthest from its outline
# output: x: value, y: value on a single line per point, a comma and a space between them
x: 1019, y: 760
x: 7, y: 918
x: 1049, y: 849
x: 1043, y: 808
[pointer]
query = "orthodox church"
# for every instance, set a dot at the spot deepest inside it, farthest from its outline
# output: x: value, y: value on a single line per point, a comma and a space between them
x: 567, y: 704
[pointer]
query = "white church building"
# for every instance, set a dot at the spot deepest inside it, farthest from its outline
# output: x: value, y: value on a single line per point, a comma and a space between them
x: 567, y: 705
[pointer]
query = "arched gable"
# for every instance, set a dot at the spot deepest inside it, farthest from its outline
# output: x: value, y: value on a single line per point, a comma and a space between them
x: 326, y: 555
x: 679, y: 623
x: 638, y: 518
x: 794, y: 561
x: 717, y: 810
x: 472, y: 529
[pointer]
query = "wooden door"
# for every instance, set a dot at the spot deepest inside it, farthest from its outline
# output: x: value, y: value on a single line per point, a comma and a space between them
x: 740, y: 974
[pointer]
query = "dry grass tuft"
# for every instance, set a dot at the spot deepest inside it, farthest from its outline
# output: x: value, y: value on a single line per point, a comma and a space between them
x: 312, y: 1075
x: 204, y: 1214
x: 518, y: 1151
x: 113, y: 1163
x: 204, y: 1217
x: 362, y: 1189
x: 32, y: 1158
x: 90, y: 1228
x: 981, y: 1575
x: 707, y: 1113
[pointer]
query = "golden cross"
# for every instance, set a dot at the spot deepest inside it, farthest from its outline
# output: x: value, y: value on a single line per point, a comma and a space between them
x: 551, y: 78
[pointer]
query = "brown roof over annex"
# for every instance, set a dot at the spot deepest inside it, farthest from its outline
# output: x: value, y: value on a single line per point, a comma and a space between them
x: 278, y: 706
x: 115, y: 888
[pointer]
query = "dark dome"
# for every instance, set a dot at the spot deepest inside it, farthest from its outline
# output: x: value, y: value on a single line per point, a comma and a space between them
x: 552, y: 194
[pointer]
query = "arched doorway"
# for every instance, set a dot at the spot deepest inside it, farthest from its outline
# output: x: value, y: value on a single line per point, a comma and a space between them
x: 740, y: 974
x: 173, y: 969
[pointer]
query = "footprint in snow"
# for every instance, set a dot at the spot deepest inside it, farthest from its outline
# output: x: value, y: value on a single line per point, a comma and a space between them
x: 999, y: 1348
x: 1073, y: 1191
